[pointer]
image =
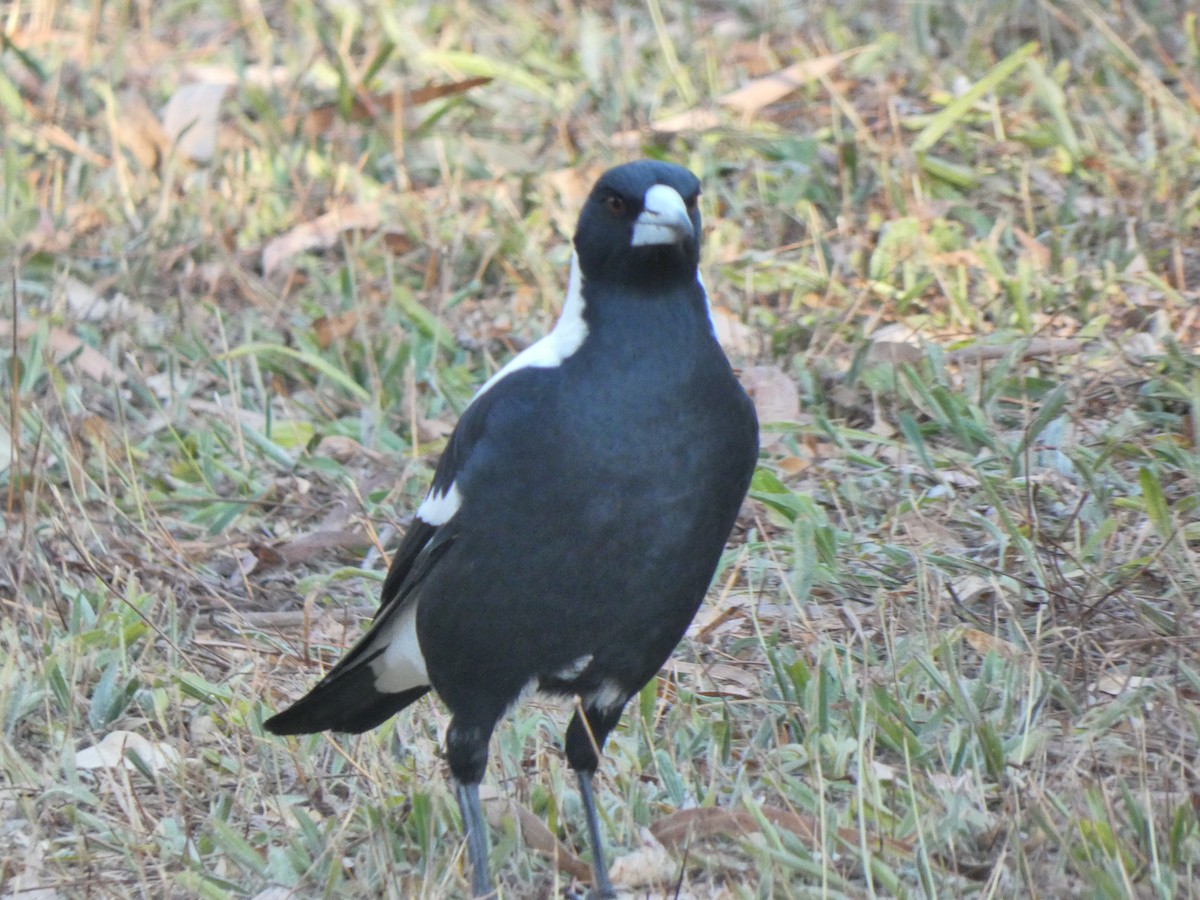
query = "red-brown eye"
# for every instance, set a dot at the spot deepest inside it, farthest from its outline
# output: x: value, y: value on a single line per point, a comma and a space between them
x: 615, y: 204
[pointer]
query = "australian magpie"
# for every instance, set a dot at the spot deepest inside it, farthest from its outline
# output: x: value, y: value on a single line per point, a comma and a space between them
x: 577, y: 514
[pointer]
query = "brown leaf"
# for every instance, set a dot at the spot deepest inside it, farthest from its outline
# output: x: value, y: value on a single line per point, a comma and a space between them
x: 334, y: 328
x: 692, y: 120
x: 793, y: 465
x: 96, y: 433
x: 56, y: 136
x: 982, y: 642
x: 747, y: 100
x: 397, y: 242
x: 717, y: 680
x: 321, y: 543
x: 301, y: 550
x: 714, y: 821
x: 896, y: 343
x: 535, y: 835
x: 321, y: 233
x: 139, y: 131
x: 1036, y: 347
x: 772, y: 88
x: 90, y: 361
x: 367, y: 107
x: 343, y: 449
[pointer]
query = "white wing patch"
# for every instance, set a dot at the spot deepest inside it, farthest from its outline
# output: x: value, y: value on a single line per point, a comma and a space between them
x: 563, y: 340
x: 573, y: 670
x: 608, y: 696
x: 439, y: 507
x: 401, y: 666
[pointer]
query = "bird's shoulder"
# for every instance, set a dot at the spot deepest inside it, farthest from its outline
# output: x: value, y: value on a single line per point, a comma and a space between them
x: 489, y: 427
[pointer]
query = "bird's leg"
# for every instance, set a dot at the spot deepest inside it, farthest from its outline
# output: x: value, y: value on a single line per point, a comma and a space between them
x: 586, y: 733
x: 477, y: 850
x: 603, y: 886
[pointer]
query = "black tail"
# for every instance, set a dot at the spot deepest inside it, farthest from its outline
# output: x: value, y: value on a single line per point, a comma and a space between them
x: 345, y: 700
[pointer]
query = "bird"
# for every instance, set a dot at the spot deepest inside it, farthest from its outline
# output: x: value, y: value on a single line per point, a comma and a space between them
x: 576, y: 516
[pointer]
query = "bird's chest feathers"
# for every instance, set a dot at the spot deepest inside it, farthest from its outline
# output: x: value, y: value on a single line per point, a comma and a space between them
x: 639, y: 393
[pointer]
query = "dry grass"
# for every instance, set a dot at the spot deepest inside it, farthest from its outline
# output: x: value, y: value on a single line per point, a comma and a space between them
x: 954, y: 648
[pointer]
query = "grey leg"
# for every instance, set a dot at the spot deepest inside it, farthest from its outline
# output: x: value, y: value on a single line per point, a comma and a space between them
x: 477, y: 844
x: 603, y: 887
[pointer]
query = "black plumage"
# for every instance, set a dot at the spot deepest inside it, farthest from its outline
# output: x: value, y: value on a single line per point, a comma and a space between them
x: 577, y: 514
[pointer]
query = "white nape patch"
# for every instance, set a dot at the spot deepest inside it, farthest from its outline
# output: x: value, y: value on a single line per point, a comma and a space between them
x: 664, y: 218
x: 439, y: 507
x: 401, y: 666
x: 573, y: 670
x: 564, y: 339
x: 609, y: 696
x: 707, y: 303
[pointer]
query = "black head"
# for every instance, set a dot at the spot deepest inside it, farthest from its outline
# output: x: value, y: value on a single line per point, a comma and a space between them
x: 641, y: 225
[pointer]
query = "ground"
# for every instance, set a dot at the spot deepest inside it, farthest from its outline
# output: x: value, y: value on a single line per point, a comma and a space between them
x: 257, y: 256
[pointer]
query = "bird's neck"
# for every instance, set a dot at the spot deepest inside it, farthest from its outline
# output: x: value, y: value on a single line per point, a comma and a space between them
x: 631, y: 316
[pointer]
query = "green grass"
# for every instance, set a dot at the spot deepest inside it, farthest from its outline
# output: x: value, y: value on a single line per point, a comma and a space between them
x: 954, y: 646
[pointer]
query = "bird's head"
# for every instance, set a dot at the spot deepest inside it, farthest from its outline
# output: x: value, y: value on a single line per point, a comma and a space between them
x: 641, y: 225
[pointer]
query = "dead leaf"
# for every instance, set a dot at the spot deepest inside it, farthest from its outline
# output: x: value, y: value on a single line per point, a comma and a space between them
x: 533, y: 832
x: 339, y: 326
x: 110, y: 753
x: 310, y: 546
x: 1037, y: 347
x: 747, y: 100
x: 343, y: 449
x: 1115, y: 684
x: 367, y: 107
x: 692, y: 120
x: 717, y: 679
x: 54, y: 135
x: 964, y: 258
x: 27, y: 875
x: 775, y: 396
x: 651, y: 865
x: 86, y: 304
x: 139, y: 131
x: 762, y: 92
x: 917, y: 529
x: 90, y: 361
x: 969, y: 588
x: 882, y: 772
x: 793, y: 465
x: 397, y: 242
x: 190, y: 119
x: 896, y: 343
x: 96, y: 433
x: 1038, y: 252
x: 319, y: 234
x: 716, y: 821
x: 713, y: 821
x: 982, y: 642
x: 711, y: 617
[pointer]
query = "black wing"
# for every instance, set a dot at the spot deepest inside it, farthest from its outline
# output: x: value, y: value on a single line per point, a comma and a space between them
x: 349, y: 698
